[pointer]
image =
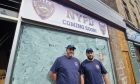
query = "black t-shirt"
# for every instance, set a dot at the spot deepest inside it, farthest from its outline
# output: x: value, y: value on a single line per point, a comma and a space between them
x: 93, y: 71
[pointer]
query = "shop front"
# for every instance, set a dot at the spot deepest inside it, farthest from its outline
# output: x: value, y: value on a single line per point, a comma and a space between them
x: 121, y: 56
x: 8, y: 21
x: 133, y: 37
x: 44, y: 29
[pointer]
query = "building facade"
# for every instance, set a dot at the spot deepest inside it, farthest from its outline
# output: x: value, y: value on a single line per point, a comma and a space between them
x: 45, y: 27
x: 130, y: 10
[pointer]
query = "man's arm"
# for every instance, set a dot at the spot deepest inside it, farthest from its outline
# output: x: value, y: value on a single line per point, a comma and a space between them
x: 106, y: 78
x: 53, y: 75
x: 54, y: 70
x: 82, y: 79
x: 105, y: 74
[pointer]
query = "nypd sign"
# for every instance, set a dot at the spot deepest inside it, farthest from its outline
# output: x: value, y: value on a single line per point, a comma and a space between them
x: 47, y: 11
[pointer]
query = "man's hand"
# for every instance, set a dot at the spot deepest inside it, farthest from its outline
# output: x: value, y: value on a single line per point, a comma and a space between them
x: 106, y: 79
x: 53, y: 76
x: 82, y: 78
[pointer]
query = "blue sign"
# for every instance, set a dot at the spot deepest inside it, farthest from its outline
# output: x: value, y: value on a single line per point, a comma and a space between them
x: 133, y: 35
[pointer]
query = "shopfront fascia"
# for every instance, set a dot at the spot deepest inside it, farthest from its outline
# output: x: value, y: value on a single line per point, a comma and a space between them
x: 43, y: 31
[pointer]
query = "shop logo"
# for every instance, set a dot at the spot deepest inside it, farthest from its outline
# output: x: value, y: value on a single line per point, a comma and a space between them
x: 97, y: 66
x: 102, y: 28
x: 76, y: 64
x: 43, y: 8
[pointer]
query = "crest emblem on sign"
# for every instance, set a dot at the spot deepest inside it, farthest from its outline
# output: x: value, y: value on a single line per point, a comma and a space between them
x: 43, y: 8
x: 102, y: 28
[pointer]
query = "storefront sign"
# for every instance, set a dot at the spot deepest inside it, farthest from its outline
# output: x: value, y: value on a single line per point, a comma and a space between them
x: 132, y: 49
x: 135, y: 63
x: 50, y: 12
x: 133, y: 35
x: 8, y: 12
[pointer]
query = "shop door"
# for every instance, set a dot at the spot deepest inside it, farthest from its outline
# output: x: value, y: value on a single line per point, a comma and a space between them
x: 128, y: 66
x: 126, y: 57
x: 7, y: 31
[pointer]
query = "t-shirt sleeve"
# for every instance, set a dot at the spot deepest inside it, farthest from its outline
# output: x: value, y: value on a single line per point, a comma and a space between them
x: 103, y: 70
x: 55, y: 66
x: 82, y: 69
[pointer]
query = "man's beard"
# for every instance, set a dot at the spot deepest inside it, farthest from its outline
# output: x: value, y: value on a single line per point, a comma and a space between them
x: 70, y: 55
x: 90, y: 58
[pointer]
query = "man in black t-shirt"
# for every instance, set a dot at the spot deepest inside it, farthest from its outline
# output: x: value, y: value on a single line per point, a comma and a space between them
x: 92, y: 71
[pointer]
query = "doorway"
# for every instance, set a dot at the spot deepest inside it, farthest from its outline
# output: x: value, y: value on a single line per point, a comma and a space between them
x: 7, y: 30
